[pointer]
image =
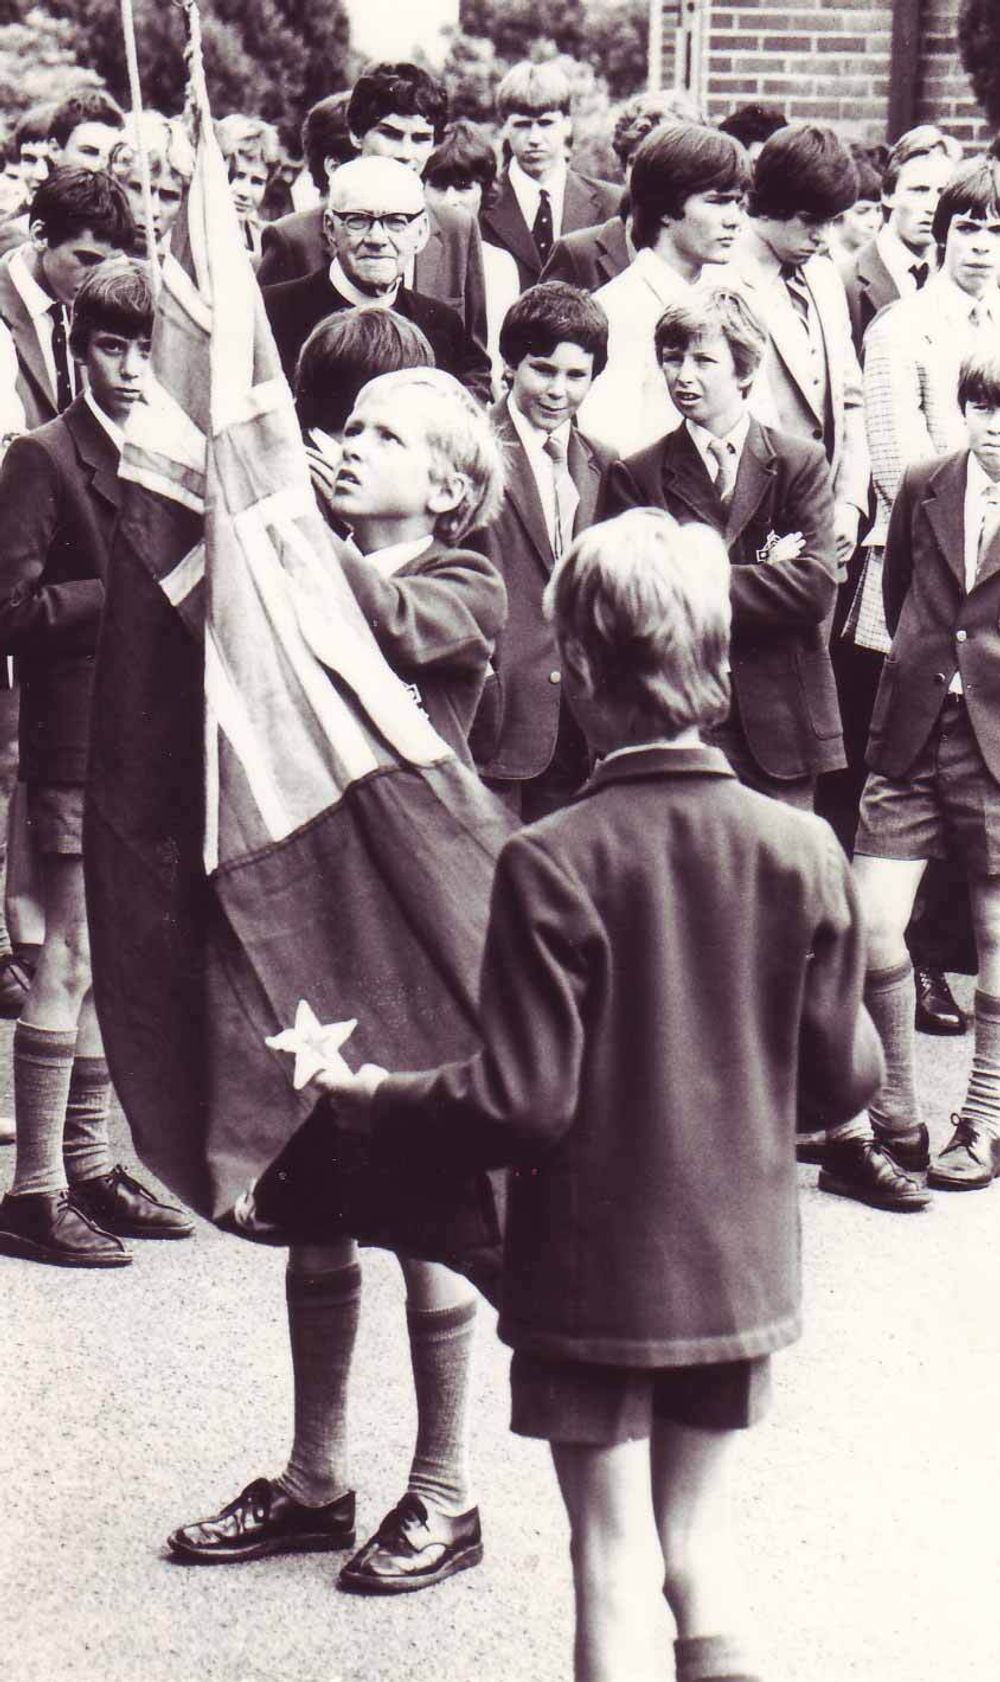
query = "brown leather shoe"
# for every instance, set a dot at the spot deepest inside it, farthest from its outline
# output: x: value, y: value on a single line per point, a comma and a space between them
x: 864, y: 1170
x: 264, y: 1520
x: 412, y: 1549
x: 969, y: 1161
x: 47, y: 1227
x: 120, y: 1204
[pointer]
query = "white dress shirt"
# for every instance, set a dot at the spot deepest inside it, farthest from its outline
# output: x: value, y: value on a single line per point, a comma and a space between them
x: 388, y: 561
x: 628, y: 405
x: 114, y: 432
x: 38, y: 304
x: 705, y: 442
x: 528, y: 193
x: 543, y: 468
x: 899, y: 260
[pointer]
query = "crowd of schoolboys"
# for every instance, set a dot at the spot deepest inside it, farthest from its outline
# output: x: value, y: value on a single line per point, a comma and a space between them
x: 678, y: 505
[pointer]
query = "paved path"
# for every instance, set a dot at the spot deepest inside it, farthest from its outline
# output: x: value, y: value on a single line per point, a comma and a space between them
x: 132, y: 1401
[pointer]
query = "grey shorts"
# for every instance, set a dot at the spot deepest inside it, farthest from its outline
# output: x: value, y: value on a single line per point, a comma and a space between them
x: 947, y: 803
x: 573, y: 1402
x: 55, y: 819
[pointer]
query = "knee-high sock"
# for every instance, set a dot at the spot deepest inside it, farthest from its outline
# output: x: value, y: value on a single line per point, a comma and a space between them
x: 86, y: 1147
x: 982, y: 1099
x: 441, y: 1354
x: 323, y: 1314
x: 890, y: 996
x: 43, y: 1065
x: 712, y: 1658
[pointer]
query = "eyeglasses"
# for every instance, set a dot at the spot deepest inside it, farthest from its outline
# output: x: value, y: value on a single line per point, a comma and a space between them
x: 394, y: 222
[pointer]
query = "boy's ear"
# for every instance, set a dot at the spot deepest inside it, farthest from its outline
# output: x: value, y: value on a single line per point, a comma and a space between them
x: 39, y: 238
x: 421, y: 234
x: 447, y: 492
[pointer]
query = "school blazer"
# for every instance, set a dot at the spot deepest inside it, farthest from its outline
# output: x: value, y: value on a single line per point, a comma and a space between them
x: 586, y: 201
x: 671, y: 980
x: 937, y: 626
x: 781, y: 670
x: 59, y: 500
x: 515, y: 736
x: 589, y: 257
x: 450, y: 267
x: 33, y: 385
x: 870, y: 288
x: 436, y: 621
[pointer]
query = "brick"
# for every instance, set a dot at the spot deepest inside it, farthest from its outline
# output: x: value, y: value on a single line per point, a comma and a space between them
x: 786, y: 43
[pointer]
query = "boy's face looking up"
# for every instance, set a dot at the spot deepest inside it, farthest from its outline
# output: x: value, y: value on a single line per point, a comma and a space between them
x: 410, y: 140
x: 63, y: 266
x: 390, y: 487
x: 116, y: 367
x: 538, y: 140
x: 548, y: 390
x: 797, y: 238
x: 913, y: 200
x: 982, y: 424
x: 972, y: 252
x: 703, y: 383
x: 706, y: 231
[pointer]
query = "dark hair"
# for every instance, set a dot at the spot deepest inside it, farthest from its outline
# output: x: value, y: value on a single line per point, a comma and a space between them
x: 87, y: 105
x: 925, y: 141
x: 325, y: 135
x: 403, y: 90
x: 552, y: 314
x: 716, y: 310
x: 465, y: 157
x: 114, y: 297
x: 346, y: 350
x: 979, y: 379
x: 672, y: 163
x: 34, y: 125
x: 72, y: 201
x: 750, y: 124
x: 973, y: 190
x: 803, y: 171
x: 869, y: 174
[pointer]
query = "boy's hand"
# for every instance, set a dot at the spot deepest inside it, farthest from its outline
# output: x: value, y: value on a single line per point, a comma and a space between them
x: 352, y: 1093
x: 787, y: 548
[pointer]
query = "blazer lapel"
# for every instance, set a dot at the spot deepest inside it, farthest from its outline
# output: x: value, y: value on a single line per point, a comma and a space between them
x: 753, y: 481
x: 579, y: 204
x: 612, y: 249
x: 503, y: 217
x: 686, y: 480
x: 945, y: 507
x: 521, y: 488
x: 585, y: 473
x: 96, y: 451
x: 29, y: 351
x: 789, y: 339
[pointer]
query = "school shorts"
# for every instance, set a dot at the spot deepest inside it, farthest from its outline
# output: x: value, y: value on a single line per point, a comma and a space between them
x: 574, y: 1402
x: 947, y: 803
x: 55, y: 819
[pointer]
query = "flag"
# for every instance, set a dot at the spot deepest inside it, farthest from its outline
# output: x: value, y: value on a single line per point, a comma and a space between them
x: 270, y: 816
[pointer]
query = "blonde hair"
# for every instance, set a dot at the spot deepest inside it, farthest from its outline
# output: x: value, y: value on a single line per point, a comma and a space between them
x: 460, y: 438
x: 643, y: 604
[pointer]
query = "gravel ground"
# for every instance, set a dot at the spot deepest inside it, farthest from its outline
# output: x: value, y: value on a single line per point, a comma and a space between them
x: 132, y: 1401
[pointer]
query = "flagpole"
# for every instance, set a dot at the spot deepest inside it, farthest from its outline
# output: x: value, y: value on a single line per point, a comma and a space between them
x: 135, y: 94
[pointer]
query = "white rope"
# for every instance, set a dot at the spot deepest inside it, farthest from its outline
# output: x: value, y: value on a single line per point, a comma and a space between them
x: 135, y: 94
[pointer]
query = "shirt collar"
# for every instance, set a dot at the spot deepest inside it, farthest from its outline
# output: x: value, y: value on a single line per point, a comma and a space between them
x: 35, y: 299
x: 898, y: 258
x: 662, y: 280
x: 523, y: 183
x: 533, y: 440
x: 342, y: 284
x: 704, y: 441
x: 389, y: 560
x: 113, y: 431
x: 957, y: 303
x: 977, y: 482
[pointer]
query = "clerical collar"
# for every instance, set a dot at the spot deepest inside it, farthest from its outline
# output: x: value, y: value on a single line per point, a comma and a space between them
x: 342, y: 284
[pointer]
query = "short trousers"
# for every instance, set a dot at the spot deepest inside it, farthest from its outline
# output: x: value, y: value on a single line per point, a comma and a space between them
x: 575, y: 1402
x: 55, y: 819
x: 948, y: 803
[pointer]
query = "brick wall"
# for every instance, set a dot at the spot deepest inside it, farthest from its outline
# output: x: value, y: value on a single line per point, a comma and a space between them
x: 828, y: 61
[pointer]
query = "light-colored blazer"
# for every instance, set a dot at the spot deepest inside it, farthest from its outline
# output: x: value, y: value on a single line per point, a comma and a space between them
x: 628, y: 405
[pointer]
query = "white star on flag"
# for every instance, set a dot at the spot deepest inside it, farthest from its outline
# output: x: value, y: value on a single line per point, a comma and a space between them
x: 313, y: 1044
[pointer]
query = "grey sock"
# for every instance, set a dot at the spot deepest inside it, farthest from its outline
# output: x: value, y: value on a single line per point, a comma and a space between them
x: 441, y: 1356
x: 86, y: 1148
x: 890, y: 996
x: 323, y: 1314
x: 43, y: 1064
x: 712, y: 1658
x: 982, y: 1099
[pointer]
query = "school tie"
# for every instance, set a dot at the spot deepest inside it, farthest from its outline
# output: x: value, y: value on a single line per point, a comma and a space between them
x: 555, y: 449
x: 991, y: 523
x: 920, y: 271
x: 798, y: 291
x: 60, y: 356
x: 724, y: 452
x: 541, y: 231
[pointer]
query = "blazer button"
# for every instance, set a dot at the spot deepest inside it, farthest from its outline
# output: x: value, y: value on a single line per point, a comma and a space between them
x: 961, y: 636
x: 555, y: 677
x: 817, y: 432
x: 939, y: 677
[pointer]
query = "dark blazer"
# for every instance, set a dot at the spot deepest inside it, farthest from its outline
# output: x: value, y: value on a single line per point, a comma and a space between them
x: 436, y: 621
x: 869, y: 287
x: 672, y: 978
x: 937, y: 626
x: 450, y: 267
x: 295, y: 306
x: 33, y: 384
x: 59, y: 498
x: 781, y: 671
x: 590, y: 257
x: 515, y: 737
x: 585, y: 202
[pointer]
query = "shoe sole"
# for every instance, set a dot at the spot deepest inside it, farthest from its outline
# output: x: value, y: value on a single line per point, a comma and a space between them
x: 362, y: 1584
x: 142, y: 1232
x: 941, y: 1031
x: 893, y: 1205
x: 943, y: 1183
x: 25, y: 1250
x: 187, y: 1554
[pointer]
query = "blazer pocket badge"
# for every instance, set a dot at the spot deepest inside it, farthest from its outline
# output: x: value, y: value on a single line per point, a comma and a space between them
x: 775, y: 548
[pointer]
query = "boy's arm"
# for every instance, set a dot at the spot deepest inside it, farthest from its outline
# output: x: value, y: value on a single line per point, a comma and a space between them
x: 782, y: 594
x: 519, y: 1094
x: 897, y: 562
x: 36, y: 616
x: 840, y: 1056
x: 447, y: 614
x: 894, y: 414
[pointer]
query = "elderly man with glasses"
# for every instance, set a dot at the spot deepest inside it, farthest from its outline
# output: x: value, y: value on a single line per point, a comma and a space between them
x: 374, y: 223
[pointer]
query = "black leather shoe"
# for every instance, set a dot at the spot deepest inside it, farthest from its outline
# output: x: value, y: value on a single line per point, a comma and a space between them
x: 14, y: 986
x: 120, y: 1204
x: 47, y: 1227
x: 969, y: 1161
x: 811, y: 1147
x: 936, y: 1012
x: 911, y: 1153
x: 864, y: 1170
x: 412, y: 1549
x: 264, y: 1520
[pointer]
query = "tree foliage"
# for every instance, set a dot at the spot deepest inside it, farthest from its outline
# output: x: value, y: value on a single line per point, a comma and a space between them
x: 979, y: 47
x: 37, y: 62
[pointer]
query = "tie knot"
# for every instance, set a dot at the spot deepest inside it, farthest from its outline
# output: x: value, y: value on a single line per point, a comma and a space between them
x: 992, y: 495
x: 920, y: 271
x: 722, y: 449
x: 793, y: 271
x: 555, y: 448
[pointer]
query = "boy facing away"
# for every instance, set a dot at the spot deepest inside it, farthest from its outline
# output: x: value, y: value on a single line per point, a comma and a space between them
x: 652, y: 1253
